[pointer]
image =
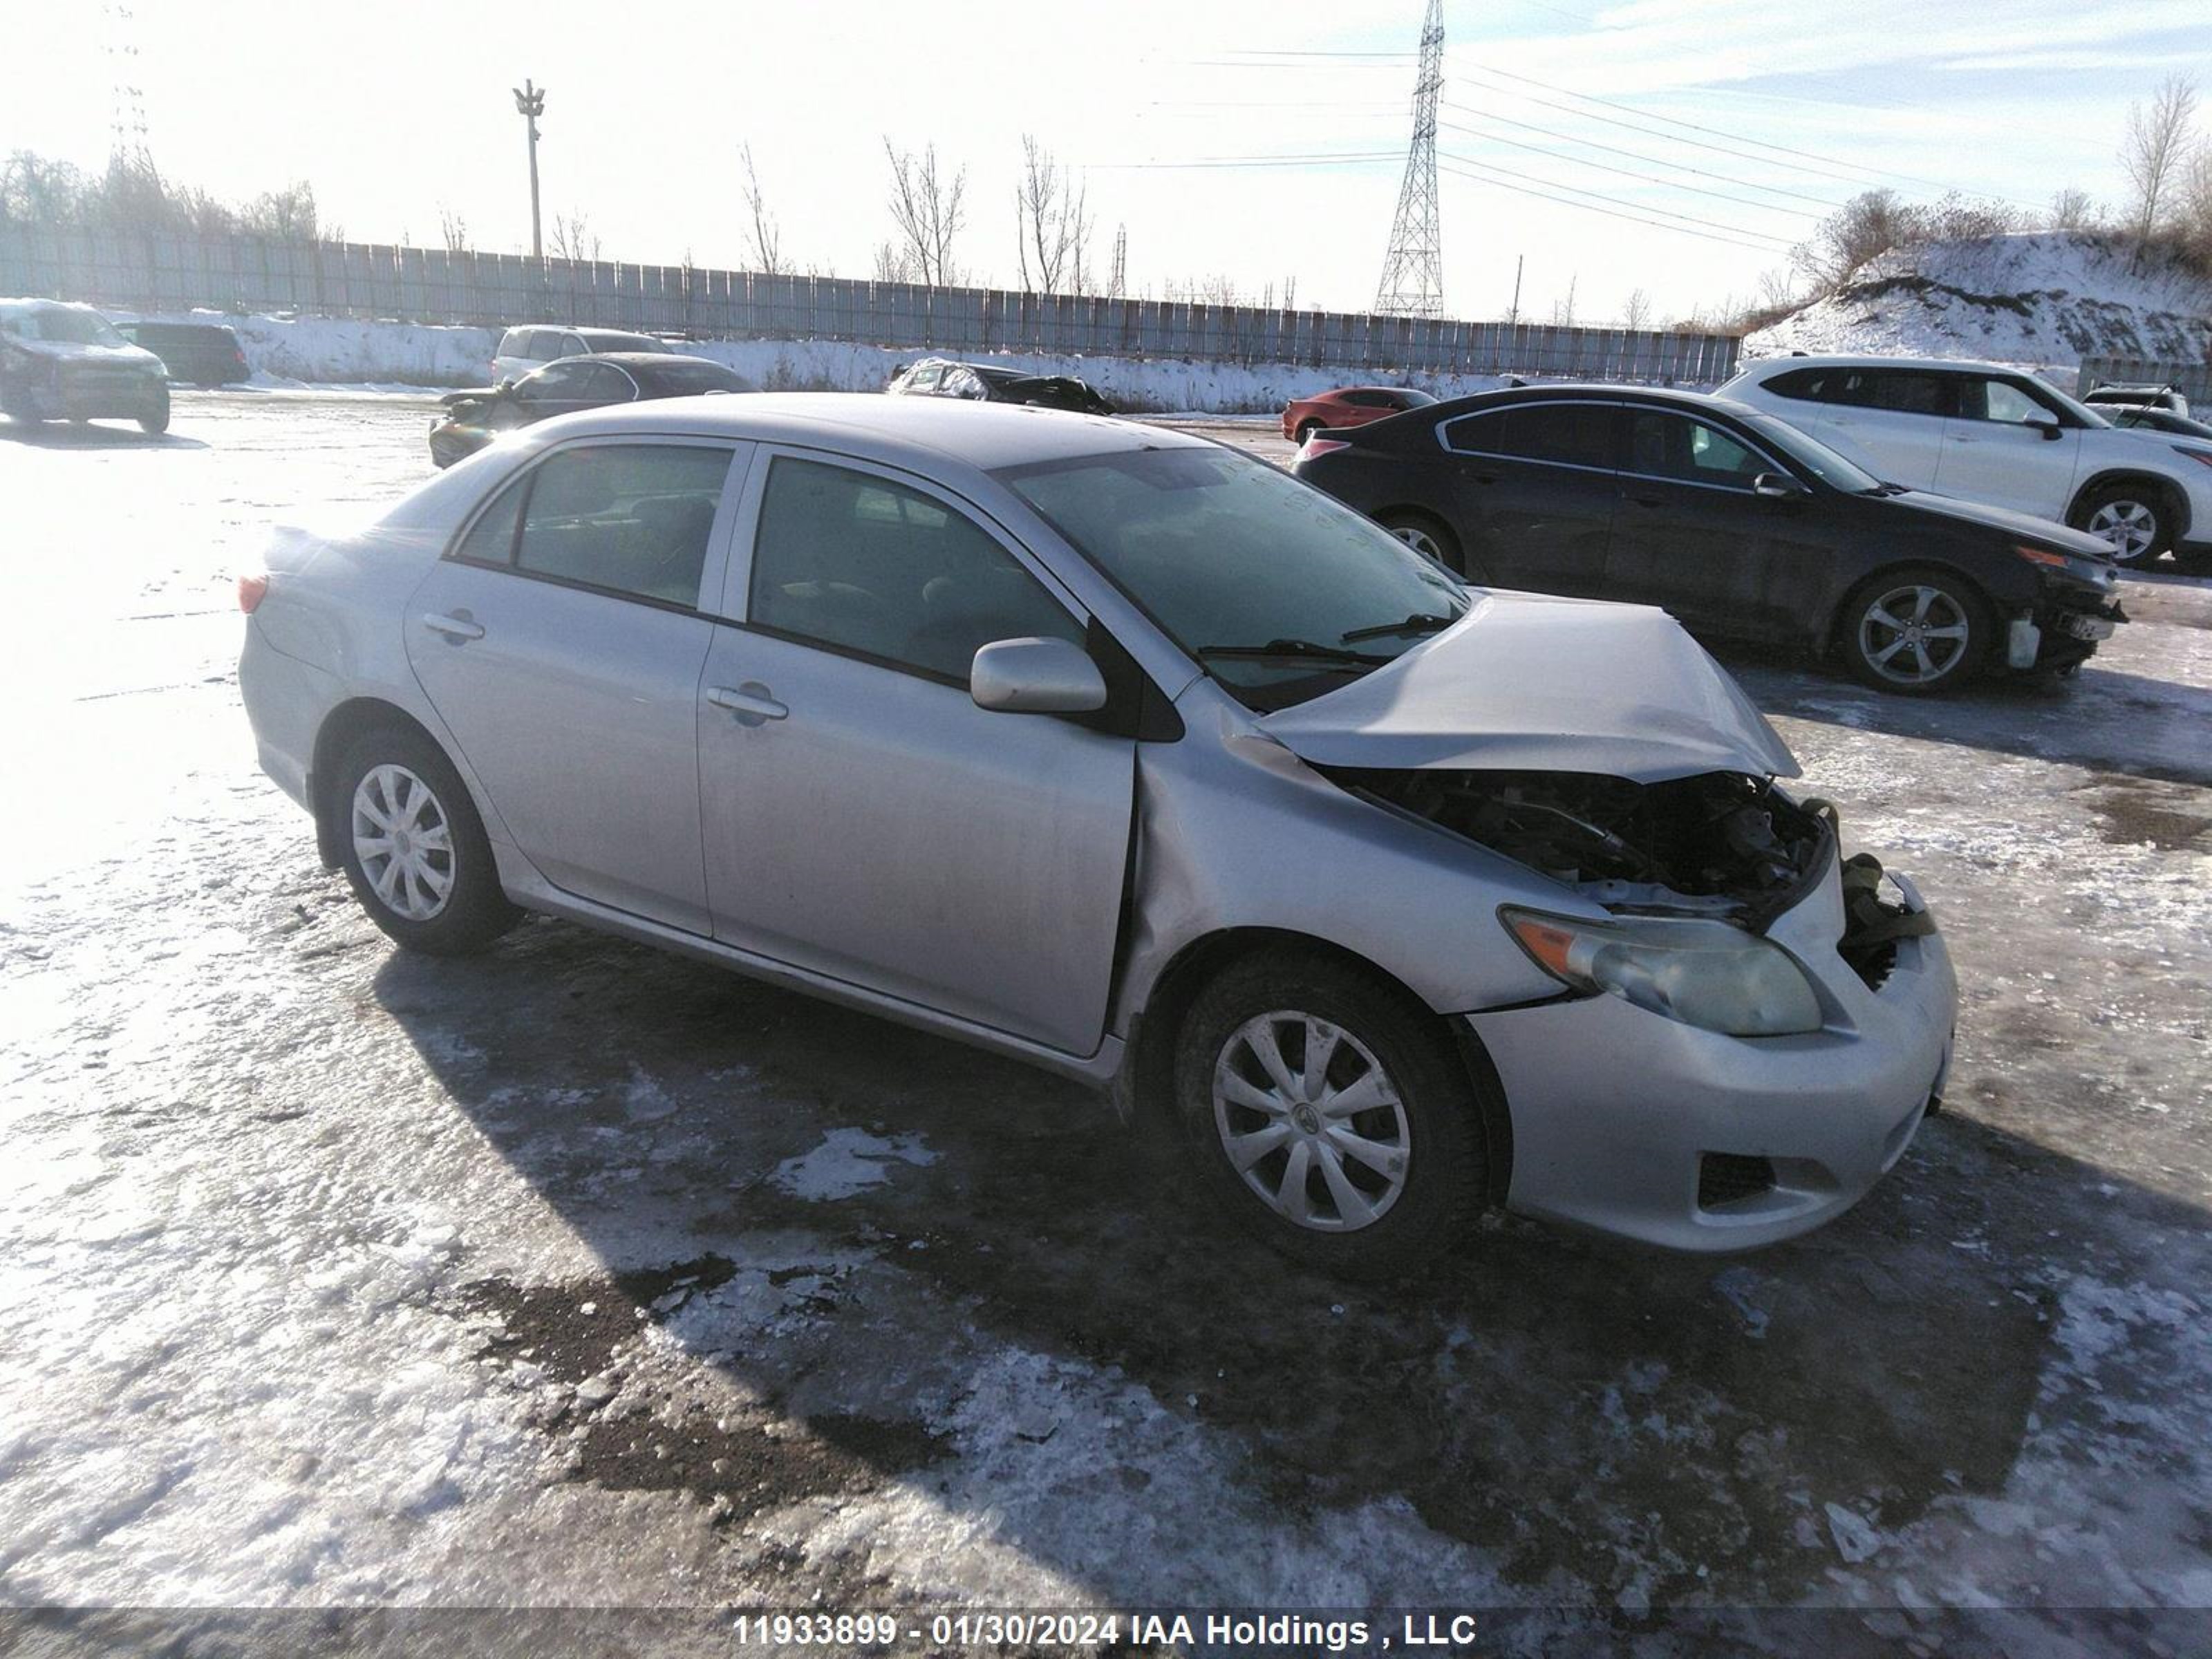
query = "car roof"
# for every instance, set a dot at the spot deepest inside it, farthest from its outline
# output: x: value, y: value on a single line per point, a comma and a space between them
x: 640, y: 359
x: 32, y: 303
x: 1813, y: 360
x: 919, y: 433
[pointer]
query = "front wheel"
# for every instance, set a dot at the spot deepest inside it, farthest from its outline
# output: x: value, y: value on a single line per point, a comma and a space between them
x: 1327, y: 1115
x: 2132, y: 520
x: 1915, y: 632
x: 412, y: 847
x: 1306, y: 430
x: 155, y: 420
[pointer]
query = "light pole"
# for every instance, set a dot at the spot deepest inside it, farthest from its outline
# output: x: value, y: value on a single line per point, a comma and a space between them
x: 530, y: 104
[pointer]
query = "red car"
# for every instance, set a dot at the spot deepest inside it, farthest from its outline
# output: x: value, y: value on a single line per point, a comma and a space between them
x: 1348, y: 405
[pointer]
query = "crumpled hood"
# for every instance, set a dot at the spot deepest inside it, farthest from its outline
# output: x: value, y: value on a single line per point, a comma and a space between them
x: 1529, y: 682
x: 2080, y: 543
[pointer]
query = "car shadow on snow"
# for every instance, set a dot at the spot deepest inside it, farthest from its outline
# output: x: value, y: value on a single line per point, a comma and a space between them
x: 72, y: 434
x: 1596, y: 1420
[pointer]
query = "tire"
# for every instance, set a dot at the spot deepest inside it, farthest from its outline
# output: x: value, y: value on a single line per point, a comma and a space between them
x: 379, y: 774
x: 1358, y: 1219
x: 155, y: 421
x: 1430, y: 537
x: 2136, y: 518
x: 1306, y: 430
x: 1912, y: 614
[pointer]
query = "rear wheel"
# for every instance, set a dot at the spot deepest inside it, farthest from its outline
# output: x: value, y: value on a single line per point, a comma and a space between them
x: 1328, y: 1115
x: 1915, y: 632
x: 1429, y: 538
x: 412, y: 845
x: 2133, y: 519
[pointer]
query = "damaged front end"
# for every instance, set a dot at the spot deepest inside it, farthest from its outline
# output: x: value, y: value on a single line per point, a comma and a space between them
x: 1718, y: 847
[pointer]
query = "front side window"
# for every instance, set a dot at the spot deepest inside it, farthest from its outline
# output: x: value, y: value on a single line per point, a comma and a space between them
x: 1999, y: 400
x: 1280, y: 592
x: 925, y: 379
x: 572, y: 346
x: 859, y: 563
x: 1663, y: 445
x: 632, y: 519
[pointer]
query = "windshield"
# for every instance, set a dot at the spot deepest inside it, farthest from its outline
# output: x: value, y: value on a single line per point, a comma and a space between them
x: 1269, y: 584
x: 1416, y: 399
x: 61, y: 325
x: 1830, y: 466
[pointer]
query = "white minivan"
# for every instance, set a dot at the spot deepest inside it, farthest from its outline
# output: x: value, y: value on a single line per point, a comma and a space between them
x: 1985, y: 433
x: 521, y: 349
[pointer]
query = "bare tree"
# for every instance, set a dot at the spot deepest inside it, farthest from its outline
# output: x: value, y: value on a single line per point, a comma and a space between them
x: 927, y: 212
x: 891, y: 265
x: 285, y: 215
x: 1636, y: 314
x: 1562, y: 311
x: 2072, y: 210
x: 572, y: 238
x: 1052, y: 225
x: 766, y: 235
x: 1869, y: 224
x: 454, y: 228
x: 2156, y: 151
x: 2193, y: 209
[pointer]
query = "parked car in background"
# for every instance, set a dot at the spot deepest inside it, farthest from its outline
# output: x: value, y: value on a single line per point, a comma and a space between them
x: 521, y: 349
x: 2117, y: 394
x: 1736, y: 522
x: 1349, y: 406
x: 1985, y: 433
x: 1118, y: 751
x: 473, y: 419
x: 199, y: 354
x: 62, y: 362
x: 2141, y: 418
x: 942, y: 377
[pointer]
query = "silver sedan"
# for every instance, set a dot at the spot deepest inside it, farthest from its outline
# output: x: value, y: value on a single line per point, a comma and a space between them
x: 1106, y: 747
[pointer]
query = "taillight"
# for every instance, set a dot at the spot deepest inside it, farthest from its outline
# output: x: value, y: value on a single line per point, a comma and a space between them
x: 251, y: 591
x: 1321, y: 446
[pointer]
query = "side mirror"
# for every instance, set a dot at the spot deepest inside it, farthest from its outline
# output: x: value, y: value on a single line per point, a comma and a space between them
x: 1779, y: 487
x: 2047, y: 425
x: 506, y: 384
x: 1036, y: 677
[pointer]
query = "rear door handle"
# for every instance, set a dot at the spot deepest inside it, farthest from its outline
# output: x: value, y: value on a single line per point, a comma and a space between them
x: 750, y: 703
x: 453, y: 628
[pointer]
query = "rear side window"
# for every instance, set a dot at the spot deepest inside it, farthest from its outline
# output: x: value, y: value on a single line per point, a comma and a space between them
x: 1900, y: 391
x: 1805, y: 383
x: 630, y: 519
x: 857, y: 562
x: 1562, y: 434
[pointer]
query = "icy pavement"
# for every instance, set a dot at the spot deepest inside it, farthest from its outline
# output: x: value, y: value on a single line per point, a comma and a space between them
x: 580, y: 1275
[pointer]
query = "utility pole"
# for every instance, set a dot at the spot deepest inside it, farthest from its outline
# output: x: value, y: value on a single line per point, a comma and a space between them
x: 1514, y: 315
x: 530, y: 104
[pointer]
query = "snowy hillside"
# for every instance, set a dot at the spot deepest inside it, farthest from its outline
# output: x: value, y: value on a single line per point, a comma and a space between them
x: 2047, y: 298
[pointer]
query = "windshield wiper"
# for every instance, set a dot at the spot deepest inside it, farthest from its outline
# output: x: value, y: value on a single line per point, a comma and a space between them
x: 1312, y: 649
x: 1421, y: 622
x: 1887, y: 489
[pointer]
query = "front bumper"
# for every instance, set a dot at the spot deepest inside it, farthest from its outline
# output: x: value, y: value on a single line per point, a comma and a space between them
x: 88, y: 394
x: 2069, y: 626
x: 1616, y: 1111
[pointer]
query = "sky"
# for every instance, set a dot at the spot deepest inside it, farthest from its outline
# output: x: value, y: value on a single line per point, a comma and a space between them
x: 1674, y: 148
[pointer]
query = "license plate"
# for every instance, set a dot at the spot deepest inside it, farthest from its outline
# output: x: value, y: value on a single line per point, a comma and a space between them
x: 2086, y: 628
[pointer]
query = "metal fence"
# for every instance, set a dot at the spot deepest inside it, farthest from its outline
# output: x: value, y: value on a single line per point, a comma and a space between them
x: 241, y: 274
x: 2193, y: 380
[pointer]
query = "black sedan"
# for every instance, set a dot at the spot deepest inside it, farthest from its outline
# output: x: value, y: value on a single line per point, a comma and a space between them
x: 473, y: 419
x: 941, y: 376
x: 1734, y: 520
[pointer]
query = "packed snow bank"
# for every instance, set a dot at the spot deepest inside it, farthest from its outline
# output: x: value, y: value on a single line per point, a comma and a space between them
x: 2047, y: 298
x: 325, y: 351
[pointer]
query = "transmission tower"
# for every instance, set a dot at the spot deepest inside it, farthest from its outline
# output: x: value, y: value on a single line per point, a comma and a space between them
x: 1413, y: 270
x: 1120, y: 262
x: 126, y: 109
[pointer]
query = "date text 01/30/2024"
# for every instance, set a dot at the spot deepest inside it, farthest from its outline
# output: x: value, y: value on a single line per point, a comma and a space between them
x: 1415, y: 1632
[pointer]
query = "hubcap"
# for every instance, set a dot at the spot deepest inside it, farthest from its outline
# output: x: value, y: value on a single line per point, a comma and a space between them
x: 1310, y: 1122
x: 1419, y: 540
x: 2130, y: 527
x: 1913, y: 636
x: 404, y: 842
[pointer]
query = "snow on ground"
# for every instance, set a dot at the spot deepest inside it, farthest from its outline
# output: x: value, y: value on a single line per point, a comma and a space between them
x: 2045, y: 299
x: 580, y: 1275
x: 333, y: 353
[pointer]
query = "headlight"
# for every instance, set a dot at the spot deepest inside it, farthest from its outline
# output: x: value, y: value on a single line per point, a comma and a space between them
x: 1706, y: 974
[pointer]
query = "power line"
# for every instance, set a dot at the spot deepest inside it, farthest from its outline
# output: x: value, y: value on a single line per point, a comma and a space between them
x: 1627, y: 173
x: 1681, y: 223
x: 1640, y: 155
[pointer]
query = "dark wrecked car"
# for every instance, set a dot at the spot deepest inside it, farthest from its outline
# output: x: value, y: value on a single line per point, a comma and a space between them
x: 61, y: 362
x: 1734, y: 521
x: 941, y: 376
x: 473, y: 419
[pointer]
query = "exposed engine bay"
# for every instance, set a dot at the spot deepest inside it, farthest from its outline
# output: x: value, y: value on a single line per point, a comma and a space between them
x: 1721, y: 844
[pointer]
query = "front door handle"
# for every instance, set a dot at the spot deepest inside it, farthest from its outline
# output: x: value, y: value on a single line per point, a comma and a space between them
x: 453, y: 628
x: 750, y: 703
